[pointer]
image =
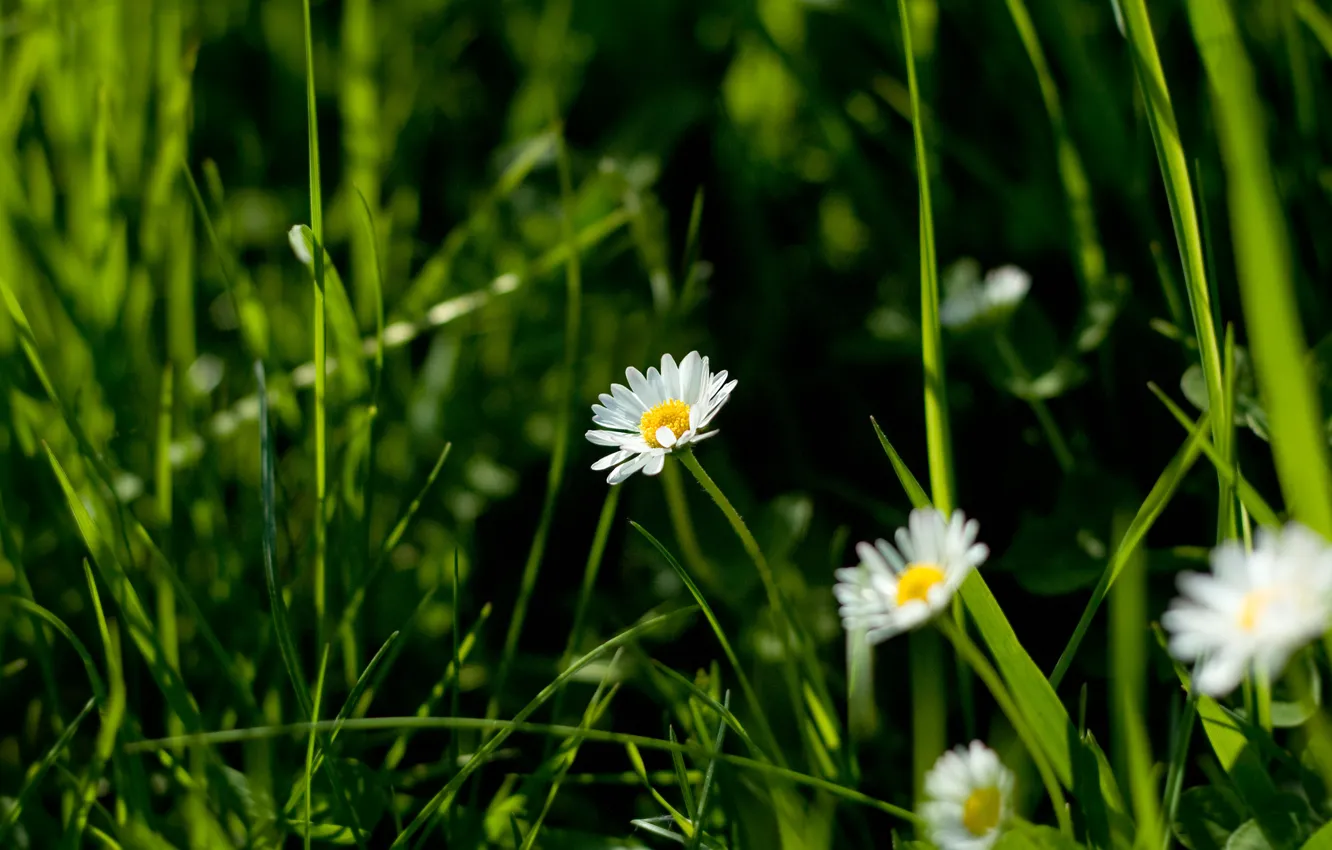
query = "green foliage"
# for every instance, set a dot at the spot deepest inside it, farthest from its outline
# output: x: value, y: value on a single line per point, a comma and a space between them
x: 306, y: 302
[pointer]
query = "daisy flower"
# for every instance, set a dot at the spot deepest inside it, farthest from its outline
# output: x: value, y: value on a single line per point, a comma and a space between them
x: 969, y: 798
x: 969, y: 299
x: 894, y: 590
x: 656, y: 414
x: 1254, y: 610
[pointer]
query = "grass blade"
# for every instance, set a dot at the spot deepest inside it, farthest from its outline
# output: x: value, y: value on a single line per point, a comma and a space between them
x: 1262, y: 258
x: 1249, y: 497
x: 281, y: 628
x: 310, y: 743
x: 705, y: 793
x: 127, y: 600
x: 1179, y: 194
x: 39, y: 770
x: 750, y: 695
x: 320, y: 342
x: 479, y: 757
x: 1157, y: 499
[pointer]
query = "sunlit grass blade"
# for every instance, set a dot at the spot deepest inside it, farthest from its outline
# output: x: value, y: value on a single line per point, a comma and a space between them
x: 682, y: 777
x: 1179, y: 193
x: 478, y: 758
x: 1020, y: 722
x: 310, y: 742
x: 1157, y: 499
x: 568, y: 751
x: 166, y: 592
x: 755, y: 705
x: 131, y: 607
x: 348, y: 704
x: 320, y: 343
x: 636, y: 761
x: 705, y: 794
x: 112, y: 713
x: 38, y: 771
x: 1033, y: 693
x: 1126, y: 603
x: 1252, y: 501
x: 1320, y: 24
x: 707, y: 699
x: 513, y: 726
x: 1263, y: 263
x: 278, y: 607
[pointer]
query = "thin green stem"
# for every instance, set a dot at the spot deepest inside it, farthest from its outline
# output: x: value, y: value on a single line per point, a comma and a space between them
x: 678, y: 507
x: 742, y: 531
x: 987, y: 674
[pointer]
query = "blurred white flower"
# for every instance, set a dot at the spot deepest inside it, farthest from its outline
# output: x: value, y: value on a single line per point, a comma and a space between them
x: 969, y: 798
x: 1254, y: 610
x: 894, y: 590
x: 656, y: 414
x: 968, y: 299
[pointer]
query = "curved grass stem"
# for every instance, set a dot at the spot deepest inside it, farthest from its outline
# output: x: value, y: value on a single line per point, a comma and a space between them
x: 987, y: 674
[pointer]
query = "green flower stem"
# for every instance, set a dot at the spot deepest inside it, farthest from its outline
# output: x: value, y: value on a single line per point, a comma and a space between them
x: 987, y: 674
x: 792, y: 641
x: 742, y: 531
x: 678, y: 507
x: 1263, y: 699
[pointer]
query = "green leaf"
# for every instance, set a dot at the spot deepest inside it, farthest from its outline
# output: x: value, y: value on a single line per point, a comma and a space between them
x: 1029, y: 836
x: 122, y: 590
x: 1263, y: 264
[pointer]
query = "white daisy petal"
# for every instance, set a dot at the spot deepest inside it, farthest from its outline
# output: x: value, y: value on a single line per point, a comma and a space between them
x: 654, y: 463
x: 659, y: 411
x: 624, y: 470
x: 670, y: 376
x: 901, y: 588
x: 1254, y: 610
x: 612, y: 459
x: 690, y: 374
x: 968, y: 799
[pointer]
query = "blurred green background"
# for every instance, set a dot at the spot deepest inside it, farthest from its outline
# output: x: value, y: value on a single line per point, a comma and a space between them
x: 743, y: 183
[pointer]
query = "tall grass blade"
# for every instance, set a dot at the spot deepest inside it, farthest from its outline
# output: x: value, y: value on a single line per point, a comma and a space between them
x: 320, y: 343
x: 131, y: 607
x: 38, y: 771
x: 479, y: 757
x: 1157, y: 499
x: 278, y: 608
x: 755, y: 705
x: 1263, y: 262
x: 1179, y: 194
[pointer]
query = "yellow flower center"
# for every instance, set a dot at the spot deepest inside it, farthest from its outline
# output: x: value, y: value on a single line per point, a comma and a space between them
x: 980, y: 813
x: 673, y: 414
x: 915, y: 583
x: 1252, y: 608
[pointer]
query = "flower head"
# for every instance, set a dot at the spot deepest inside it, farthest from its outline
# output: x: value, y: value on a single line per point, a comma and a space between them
x: 656, y: 414
x: 894, y: 590
x: 969, y: 300
x: 969, y: 798
x: 1254, y: 610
